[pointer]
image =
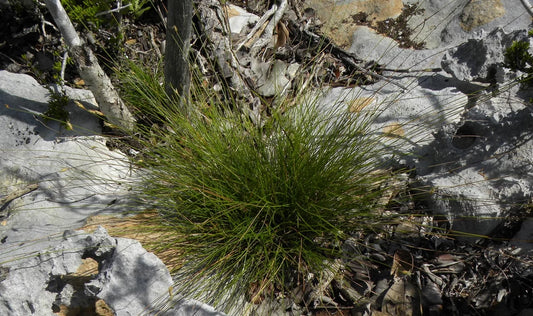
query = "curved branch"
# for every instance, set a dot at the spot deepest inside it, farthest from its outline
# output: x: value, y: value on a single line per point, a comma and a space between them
x: 528, y: 7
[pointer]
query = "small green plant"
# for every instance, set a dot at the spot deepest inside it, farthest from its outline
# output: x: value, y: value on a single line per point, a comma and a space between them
x: 86, y: 11
x: 517, y: 56
x: 56, y: 109
x: 253, y: 209
x: 138, y: 7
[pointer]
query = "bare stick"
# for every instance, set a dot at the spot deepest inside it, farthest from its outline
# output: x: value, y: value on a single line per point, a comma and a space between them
x: 63, y: 67
x: 528, y: 7
x: 348, y: 58
x: 118, y: 8
x: 90, y: 71
x: 259, y: 25
x: 269, y: 30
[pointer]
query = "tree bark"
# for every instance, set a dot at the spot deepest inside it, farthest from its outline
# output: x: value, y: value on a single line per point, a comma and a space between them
x: 90, y: 71
x: 179, y: 30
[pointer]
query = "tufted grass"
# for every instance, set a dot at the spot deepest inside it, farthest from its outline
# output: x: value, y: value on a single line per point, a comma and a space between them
x: 252, y: 210
x: 247, y: 211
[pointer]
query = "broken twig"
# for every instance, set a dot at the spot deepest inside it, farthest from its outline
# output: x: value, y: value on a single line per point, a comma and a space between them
x: 257, y: 30
x: 268, y: 33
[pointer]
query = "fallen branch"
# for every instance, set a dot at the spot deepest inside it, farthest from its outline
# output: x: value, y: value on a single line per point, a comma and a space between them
x: 528, y: 7
x: 113, y: 10
x: 216, y: 42
x: 63, y: 67
x: 268, y: 33
x: 411, y: 70
x: 258, y: 29
x: 90, y: 71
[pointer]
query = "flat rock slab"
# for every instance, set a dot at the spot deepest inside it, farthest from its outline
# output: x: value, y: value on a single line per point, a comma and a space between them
x: 73, y: 172
x: 439, y: 24
x: 469, y: 146
x: 51, y: 181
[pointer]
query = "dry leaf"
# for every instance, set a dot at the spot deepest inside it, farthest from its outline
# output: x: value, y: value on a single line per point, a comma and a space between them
x: 254, y: 38
x: 79, y: 82
x: 402, y: 264
x: 231, y: 11
x: 98, y: 113
x: 68, y: 126
x: 402, y: 299
x: 358, y: 104
x: 282, y: 35
x: 78, y: 104
x: 394, y: 130
x: 448, y: 263
x: 102, y: 309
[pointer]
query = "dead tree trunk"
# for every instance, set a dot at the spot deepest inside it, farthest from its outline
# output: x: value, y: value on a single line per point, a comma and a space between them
x: 179, y: 30
x: 90, y: 71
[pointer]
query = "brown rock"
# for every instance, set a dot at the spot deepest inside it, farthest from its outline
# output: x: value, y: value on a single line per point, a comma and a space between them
x: 480, y: 12
x: 337, y: 18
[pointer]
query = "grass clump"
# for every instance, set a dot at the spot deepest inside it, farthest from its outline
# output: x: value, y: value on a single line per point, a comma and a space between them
x: 57, y: 109
x: 517, y: 56
x: 252, y: 210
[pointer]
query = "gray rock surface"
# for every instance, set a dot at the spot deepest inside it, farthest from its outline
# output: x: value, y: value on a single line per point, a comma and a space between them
x: 481, y: 166
x: 130, y: 280
x: 409, y: 117
x: 445, y: 23
x: 72, y: 175
x: 472, y: 151
x: 37, y: 284
x: 486, y: 65
x: 524, y: 237
x: 442, y: 25
x: 75, y: 173
x: 468, y: 144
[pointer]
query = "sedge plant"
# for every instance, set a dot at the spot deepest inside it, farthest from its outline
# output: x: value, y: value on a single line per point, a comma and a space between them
x: 252, y: 209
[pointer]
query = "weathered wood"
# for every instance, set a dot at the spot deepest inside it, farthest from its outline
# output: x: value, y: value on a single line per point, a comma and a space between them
x: 528, y: 7
x: 268, y: 33
x: 214, y: 34
x: 90, y: 71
